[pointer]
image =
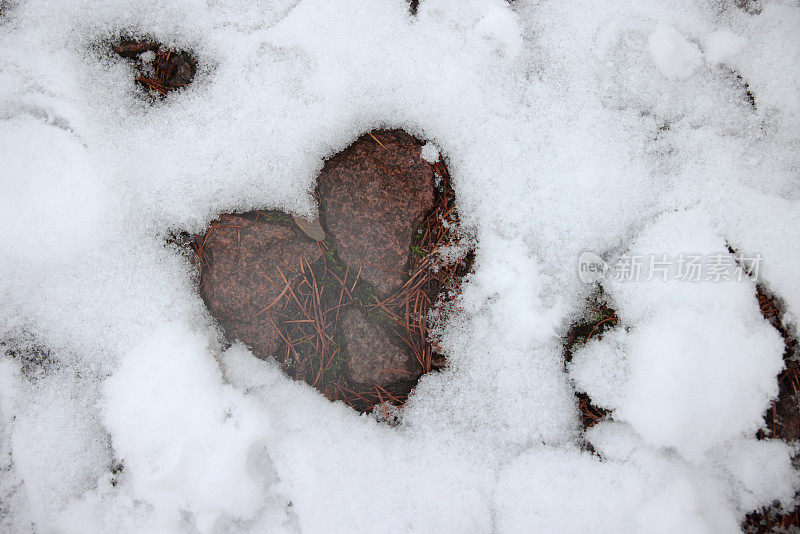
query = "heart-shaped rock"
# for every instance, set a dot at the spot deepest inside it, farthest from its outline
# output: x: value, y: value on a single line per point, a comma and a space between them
x: 341, y: 314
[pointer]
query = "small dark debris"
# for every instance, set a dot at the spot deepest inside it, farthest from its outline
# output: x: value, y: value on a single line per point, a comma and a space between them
x: 166, y: 71
x: 751, y: 99
x: 590, y: 414
x: 133, y: 49
x: 599, y: 317
x: 752, y: 7
x: 33, y: 359
x: 116, y: 469
x: 6, y: 7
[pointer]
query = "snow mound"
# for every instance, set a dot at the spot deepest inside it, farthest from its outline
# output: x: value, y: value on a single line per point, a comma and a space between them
x: 693, y: 364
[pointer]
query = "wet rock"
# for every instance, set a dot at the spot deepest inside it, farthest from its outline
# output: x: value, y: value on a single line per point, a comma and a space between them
x: 374, y: 360
x: 373, y: 195
x: 243, y: 257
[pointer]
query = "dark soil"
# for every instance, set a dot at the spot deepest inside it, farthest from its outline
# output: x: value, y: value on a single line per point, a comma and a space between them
x: 346, y: 315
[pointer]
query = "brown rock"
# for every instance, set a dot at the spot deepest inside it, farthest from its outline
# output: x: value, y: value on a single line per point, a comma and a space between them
x: 373, y: 195
x: 133, y: 49
x: 373, y: 358
x: 242, y: 256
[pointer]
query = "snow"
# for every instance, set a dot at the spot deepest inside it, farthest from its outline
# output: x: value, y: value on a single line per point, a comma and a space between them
x: 196, y: 439
x: 681, y: 369
x: 723, y: 46
x: 645, y: 493
x: 430, y: 153
x: 672, y: 53
x: 567, y: 127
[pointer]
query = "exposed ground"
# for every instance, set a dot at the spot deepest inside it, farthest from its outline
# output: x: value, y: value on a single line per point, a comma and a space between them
x: 159, y: 69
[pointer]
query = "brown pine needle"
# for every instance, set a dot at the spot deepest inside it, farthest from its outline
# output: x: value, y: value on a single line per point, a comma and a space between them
x: 378, y: 141
x: 273, y: 303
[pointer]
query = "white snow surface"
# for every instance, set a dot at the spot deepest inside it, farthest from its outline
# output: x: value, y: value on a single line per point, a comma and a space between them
x: 567, y: 126
x: 429, y: 153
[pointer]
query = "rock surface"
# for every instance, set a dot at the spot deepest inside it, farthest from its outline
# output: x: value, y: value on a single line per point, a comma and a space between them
x: 373, y: 195
x: 373, y: 359
x: 240, y: 255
